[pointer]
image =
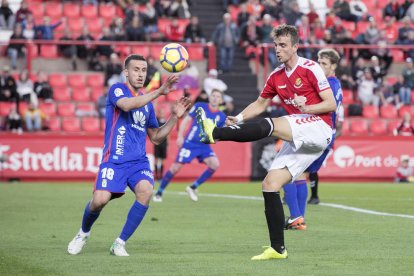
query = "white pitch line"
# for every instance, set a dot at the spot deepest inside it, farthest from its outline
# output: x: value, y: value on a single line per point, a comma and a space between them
x: 332, y: 205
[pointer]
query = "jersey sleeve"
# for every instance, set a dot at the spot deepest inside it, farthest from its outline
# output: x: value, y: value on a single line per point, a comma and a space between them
x: 192, y: 112
x: 269, y: 90
x: 317, y: 78
x: 116, y: 93
x: 152, y: 119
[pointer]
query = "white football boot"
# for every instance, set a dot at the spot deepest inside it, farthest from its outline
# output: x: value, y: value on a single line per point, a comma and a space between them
x: 118, y: 249
x: 192, y: 193
x: 78, y: 242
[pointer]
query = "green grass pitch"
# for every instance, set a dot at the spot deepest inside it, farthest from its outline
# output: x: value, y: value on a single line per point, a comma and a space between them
x: 215, y: 236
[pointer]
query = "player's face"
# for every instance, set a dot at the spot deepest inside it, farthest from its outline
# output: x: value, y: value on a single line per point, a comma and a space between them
x: 136, y: 72
x: 284, y: 48
x: 327, y: 67
x: 215, y: 99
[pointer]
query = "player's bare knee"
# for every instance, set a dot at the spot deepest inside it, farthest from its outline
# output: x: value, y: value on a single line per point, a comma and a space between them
x: 282, y: 129
x: 213, y: 163
x: 175, y: 168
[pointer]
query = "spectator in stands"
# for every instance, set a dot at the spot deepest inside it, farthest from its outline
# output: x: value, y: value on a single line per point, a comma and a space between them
x: 406, y: 127
x: 243, y: 15
x: 85, y: 51
x: 293, y: 13
x: 409, y: 42
x: 404, y: 30
x: 8, y: 87
x: 131, y: 12
x: 329, y: 19
x: 6, y: 16
x: 153, y: 80
x: 342, y: 9
x: 101, y: 103
x: 274, y: 8
x: 267, y: 38
x: 22, y: 13
x: 393, y: 9
x: 318, y: 30
x: 193, y: 32
x: 180, y: 9
x: 408, y: 85
x: 378, y: 71
x: 16, y: 50
x: 226, y: 4
x: 33, y: 118
x: 382, y: 52
x: 29, y: 27
x: 161, y: 7
x: 255, y: 8
x: 390, y: 29
x: 405, y: 6
x: 327, y: 37
x: 312, y: 14
x: 359, y: 9
x: 150, y: 19
x: 46, y: 30
x: 337, y: 30
x: 14, y: 121
x: 410, y: 12
x: 124, y: 4
x: 388, y: 95
x: 117, y: 29
x: 68, y: 50
x: 135, y: 31
x: 404, y: 171
x: 42, y: 87
x: 105, y: 50
x: 226, y: 38
x: 367, y: 89
x: 344, y: 74
x: 250, y: 33
x: 25, y: 88
x: 358, y: 68
x: 212, y: 82
x: 174, y: 32
x: 113, y: 70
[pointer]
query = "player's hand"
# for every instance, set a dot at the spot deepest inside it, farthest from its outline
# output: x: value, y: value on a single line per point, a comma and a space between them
x: 231, y: 120
x: 181, y: 106
x: 168, y: 84
x: 180, y: 141
x: 300, y: 102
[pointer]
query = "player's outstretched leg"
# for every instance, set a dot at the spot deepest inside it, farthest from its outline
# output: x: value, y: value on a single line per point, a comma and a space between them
x: 314, y: 179
x: 78, y: 242
x: 246, y: 132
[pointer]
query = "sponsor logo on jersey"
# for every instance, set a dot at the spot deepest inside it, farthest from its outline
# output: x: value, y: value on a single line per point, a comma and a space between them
x: 118, y: 92
x: 120, y: 141
x: 139, y: 120
x: 298, y: 83
x: 147, y: 173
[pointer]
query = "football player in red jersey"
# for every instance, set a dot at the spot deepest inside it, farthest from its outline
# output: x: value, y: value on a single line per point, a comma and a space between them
x: 306, y: 95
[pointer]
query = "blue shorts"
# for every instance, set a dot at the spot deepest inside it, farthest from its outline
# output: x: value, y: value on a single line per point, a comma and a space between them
x: 317, y: 164
x: 116, y: 177
x: 189, y: 151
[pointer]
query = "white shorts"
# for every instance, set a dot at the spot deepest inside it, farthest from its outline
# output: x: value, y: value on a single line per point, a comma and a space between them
x: 311, y: 135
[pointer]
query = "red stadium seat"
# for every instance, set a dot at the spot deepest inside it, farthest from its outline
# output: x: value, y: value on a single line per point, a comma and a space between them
x: 392, y: 125
x: 90, y: 124
x: 54, y: 124
x: 48, y: 51
x: 123, y: 50
x: 155, y: 51
x: 81, y: 94
x: 388, y: 111
x: 391, y: 80
x: 162, y: 24
x: 54, y: 9
x: 62, y: 94
x: 141, y: 50
x: 102, y: 124
x: 406, y: 109
x: 75, y: 25
x: 95, y: 25
x: 34, y: 50
x: 57, y: 80
x: 96, y: 92
x: 361, y: 27
x: 345, y: 127
x: 175, y: 95
x: 86, y: 108
x: 5, y: 108
x: 48, y: 109
x: 370, y: 111
x: 76, y: 80
x: 37, y: 9
x: 398, y: 55
x: 71, y: 124
x: 95, y: 80
x: 71, y: 10
x: 359, y: 127
x: 107, y: 11
x: 66, y: 109
x: 378, y: 127
x: 349, y: 26
x: 89, y: 11
x: 348, y: 97
x: 195, y: 52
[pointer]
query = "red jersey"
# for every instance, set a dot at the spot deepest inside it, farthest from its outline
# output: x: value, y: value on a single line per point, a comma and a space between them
x: 306, y: 79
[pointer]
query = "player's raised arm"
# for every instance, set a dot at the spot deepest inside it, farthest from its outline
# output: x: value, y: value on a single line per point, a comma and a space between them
x: 158, y: 135
x: 251, y: 111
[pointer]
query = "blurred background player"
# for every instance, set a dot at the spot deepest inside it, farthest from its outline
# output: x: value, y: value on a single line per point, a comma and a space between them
x: 130, y: 117
x: 191, y: 147
x: 160, y: 150
x: 296, y: 193
x: 404, y: 171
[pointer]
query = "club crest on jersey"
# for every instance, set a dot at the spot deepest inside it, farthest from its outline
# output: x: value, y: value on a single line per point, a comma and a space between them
x: 118, y: 92
x: 139, y: 120
x: 298, y: 83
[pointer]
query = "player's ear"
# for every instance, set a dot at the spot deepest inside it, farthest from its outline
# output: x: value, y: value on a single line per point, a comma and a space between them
x: 126, y: 72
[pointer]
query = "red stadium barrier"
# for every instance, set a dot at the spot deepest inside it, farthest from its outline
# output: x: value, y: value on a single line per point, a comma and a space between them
x: 76, y: 157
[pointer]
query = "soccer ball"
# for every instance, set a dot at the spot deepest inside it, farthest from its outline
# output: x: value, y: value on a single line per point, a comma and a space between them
x: 174, y: 57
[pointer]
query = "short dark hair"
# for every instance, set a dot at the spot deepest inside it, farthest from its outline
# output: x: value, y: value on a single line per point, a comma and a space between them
x: 330, y: 54
x: 285, y: 30
x: 218, y: 91
x: 133, y: 57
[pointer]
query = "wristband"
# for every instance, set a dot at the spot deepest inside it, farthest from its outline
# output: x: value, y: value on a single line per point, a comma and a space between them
x: 239, y: 118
